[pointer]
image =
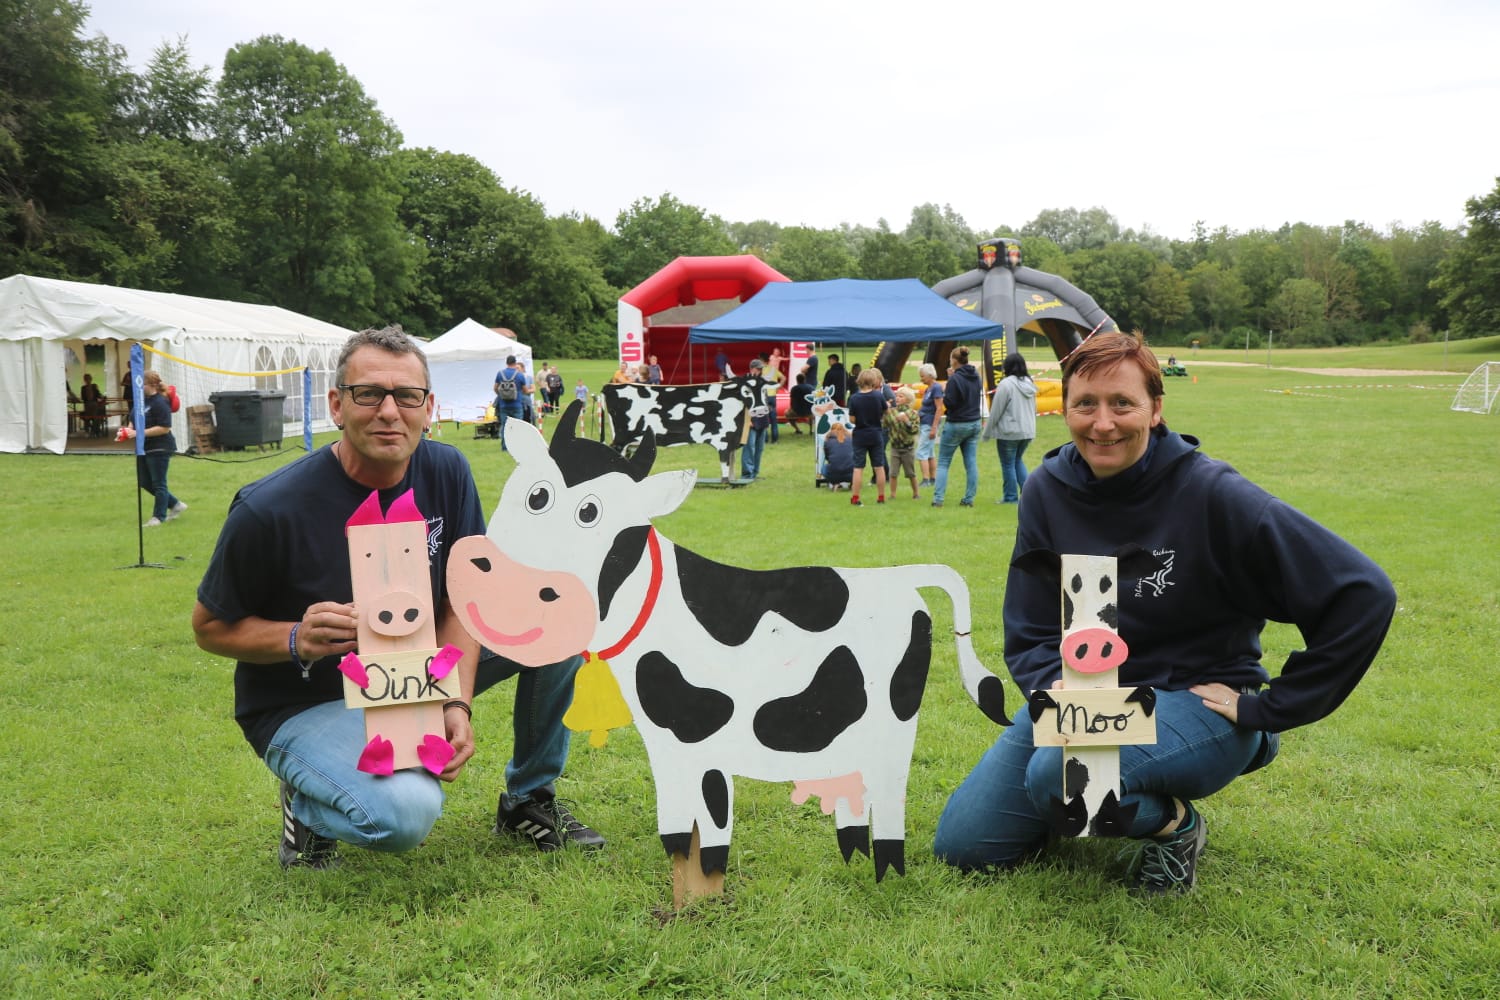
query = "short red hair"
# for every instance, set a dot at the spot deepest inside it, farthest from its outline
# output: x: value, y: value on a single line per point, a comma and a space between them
x: 1103, y: 351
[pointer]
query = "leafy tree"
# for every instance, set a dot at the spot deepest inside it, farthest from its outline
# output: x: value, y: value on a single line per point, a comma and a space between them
x: 886, y: 255
x: 1042, y: 254
x: 651, y: 234
x: 804, y: 254
x: 1469, y: 279
x: 309, y: 155
x: 1297, y: 310
x: 1116, y: 276
x: 1071, y: 229
x: 1218, y: 295
x: 1262, y: 263
x: 1164, y: 297
x: 1416, y: 255
x: 756, y: 237
x: 943, y: 226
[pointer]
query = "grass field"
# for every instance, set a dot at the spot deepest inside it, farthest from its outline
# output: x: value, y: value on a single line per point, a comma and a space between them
x: 137, y: 830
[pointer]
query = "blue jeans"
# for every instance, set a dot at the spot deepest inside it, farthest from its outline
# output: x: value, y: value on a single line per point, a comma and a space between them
x: 151, y: 476
x: 510, y: 411
x: 317, y: 751
x: 997, y: 817
x: 750, y: 452
x: 1011, y: 467
x: 953, y: 437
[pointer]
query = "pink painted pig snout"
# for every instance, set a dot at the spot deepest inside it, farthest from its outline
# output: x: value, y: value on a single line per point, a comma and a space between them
x: 397, y: 613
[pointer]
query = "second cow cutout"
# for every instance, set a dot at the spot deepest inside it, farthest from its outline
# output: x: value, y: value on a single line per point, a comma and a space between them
x: 810, y: 675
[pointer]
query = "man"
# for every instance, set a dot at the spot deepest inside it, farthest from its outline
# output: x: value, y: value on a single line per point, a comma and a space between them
x: 277, y: 596
x: 510, y: 385
x: 760, y: 420
x: 834, y: 380
x: 721, y: 365
x: 528, y: 394
x: 554, y: 389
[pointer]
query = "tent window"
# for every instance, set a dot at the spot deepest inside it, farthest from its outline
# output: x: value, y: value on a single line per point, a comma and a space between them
x: 265, y: 361
x: 291, y: 406
x: 320, y: 378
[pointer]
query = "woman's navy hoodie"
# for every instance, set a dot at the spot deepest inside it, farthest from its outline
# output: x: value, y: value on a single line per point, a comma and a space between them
x: 961, y: 395
x: 1228, y: 556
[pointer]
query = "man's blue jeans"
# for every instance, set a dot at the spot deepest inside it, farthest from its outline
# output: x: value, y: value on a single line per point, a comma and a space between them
x: 750, y: 452
x: 507, y: 411
x: 317, y: 752
x: 997, y: 817
x: 1012, y: 468
x: 953, y: 437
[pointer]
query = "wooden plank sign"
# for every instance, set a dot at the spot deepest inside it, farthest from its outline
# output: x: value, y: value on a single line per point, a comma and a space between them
x: 399, y: 676
x: 1090, y: 716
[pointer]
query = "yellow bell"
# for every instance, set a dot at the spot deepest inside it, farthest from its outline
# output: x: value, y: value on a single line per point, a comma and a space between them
x: 597, y: 704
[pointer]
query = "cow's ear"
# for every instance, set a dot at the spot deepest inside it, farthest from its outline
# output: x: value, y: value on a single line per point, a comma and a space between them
x: 1135, y: 562
x: 665, y: 491
x: 1043, y: 563
x: 525, y: 442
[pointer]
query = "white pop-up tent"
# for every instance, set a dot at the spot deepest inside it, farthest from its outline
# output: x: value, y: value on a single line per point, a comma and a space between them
x: 464, y: 362
x: 45, y: 321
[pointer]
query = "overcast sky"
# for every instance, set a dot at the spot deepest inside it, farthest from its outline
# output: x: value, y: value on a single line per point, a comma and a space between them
x: 817, y: 113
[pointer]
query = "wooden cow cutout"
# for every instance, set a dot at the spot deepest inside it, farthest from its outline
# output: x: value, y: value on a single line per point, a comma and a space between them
x: 810, y: 675
x: 399, y: 676
x: 714, y: 413
x: 1090, y: 716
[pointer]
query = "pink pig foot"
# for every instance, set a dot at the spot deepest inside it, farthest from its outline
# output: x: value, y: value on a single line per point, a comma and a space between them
x: 379, y: 757
x: 435, y: 753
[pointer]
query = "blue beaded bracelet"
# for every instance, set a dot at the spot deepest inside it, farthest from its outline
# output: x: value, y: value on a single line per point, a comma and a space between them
x: 291, y: 646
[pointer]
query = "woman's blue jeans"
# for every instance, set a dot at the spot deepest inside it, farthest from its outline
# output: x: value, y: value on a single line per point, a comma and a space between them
x: 953, y: 437
x: 151, y: 476
x: 1011, y: 467
x: 997, y: 817
x: 316, y: 752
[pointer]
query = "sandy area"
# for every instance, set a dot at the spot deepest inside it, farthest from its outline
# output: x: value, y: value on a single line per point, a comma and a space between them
x: 1353, y: 372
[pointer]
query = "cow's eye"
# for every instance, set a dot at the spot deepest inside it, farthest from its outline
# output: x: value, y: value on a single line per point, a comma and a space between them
x: 589, y: 511
x: 539, y: 499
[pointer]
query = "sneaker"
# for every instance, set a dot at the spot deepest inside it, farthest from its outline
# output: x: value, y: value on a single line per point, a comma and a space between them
x: 880, y: 499
x: 155, y: 522
x: 176, y: 510
x: 966, y: 503
x: 1170, y: 864
x: 854, y: 501
x: 547, y: 822
x: 300, y: 847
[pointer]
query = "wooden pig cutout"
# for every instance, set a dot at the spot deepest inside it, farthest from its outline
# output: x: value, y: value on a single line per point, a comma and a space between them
x: 808, y: 675
x: 398, y: 676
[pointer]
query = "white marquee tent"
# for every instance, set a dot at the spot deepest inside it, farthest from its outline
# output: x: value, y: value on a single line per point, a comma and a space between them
x: 464, y: 362
x: 45, y: 322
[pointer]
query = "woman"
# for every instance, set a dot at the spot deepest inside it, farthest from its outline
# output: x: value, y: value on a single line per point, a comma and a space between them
x: 1012, y: 424
x: 151, y: 467
x: 1225, y: 557
x: 927, y: 431
x: 959, y: 412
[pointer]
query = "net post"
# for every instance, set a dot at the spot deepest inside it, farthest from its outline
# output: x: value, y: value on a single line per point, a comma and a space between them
x: 307, y: 440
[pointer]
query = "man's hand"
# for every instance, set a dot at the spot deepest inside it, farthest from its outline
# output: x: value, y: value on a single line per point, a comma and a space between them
x: 327, y: 629
x: 461, y: 735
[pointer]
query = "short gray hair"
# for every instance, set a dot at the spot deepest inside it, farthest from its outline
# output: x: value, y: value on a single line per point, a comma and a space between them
x: 927, y: 369
x: 392, y: 339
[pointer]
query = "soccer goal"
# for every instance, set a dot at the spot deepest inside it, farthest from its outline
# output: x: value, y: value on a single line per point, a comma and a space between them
x: 1477, y: 394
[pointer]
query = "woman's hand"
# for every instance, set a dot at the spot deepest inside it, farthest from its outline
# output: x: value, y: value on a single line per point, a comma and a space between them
x: 1220, y: 698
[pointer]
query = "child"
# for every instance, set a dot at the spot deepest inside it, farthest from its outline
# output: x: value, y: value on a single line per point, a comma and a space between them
x: 901, y: 422
x: 838, y: 457
x: 867, y: 409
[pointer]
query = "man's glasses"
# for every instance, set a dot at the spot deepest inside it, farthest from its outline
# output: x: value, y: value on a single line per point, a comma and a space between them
x: 408, y: 397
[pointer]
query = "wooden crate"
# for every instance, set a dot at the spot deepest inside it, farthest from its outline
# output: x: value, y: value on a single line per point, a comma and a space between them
x: 201, y: 426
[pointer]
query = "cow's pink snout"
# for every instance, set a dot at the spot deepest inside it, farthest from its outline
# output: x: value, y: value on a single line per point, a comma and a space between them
x: 1094, y: 650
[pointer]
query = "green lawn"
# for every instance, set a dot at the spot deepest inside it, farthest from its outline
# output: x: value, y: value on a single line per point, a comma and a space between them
x: 137, y: 831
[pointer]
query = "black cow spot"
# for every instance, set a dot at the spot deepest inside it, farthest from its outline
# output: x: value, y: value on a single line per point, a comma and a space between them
x: 1067, y: 610
x: 910, y: 678
x: 729, y: 601
x: 624, y: 556
x: 716, y: 797
x: 692, y: 713
x: 1110, y: 615
x: 1075, y: 776
x: 1105, y: 583
x: 813, y: 718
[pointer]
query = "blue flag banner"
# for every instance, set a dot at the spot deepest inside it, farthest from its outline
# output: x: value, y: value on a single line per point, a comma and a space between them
x: 138, y: 396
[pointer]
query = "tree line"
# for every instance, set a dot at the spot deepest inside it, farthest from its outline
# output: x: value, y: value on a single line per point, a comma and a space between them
x: 282, y: 182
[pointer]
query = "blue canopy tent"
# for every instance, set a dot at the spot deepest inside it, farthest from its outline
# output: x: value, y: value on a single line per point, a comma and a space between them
x: 846, y: 311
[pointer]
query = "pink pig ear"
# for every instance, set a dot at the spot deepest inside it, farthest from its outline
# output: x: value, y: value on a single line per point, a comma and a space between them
x: 367, y: 513
x: 404, y: 509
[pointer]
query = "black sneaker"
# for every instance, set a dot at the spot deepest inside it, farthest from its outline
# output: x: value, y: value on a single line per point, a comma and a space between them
x: 547, y: 823
x: 1170, y: 864
x: 300, y: 847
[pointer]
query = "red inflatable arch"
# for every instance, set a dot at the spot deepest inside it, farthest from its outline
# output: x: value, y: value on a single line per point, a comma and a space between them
x: 656, y: 315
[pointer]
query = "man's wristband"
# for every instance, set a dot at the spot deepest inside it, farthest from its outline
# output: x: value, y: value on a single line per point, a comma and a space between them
x: 291, y: 647
x: 455, y: 703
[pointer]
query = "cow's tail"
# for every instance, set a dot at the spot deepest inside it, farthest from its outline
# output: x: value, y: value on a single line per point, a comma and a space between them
x: 986, y: 689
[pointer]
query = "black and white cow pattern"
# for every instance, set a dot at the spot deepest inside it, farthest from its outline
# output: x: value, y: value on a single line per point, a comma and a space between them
x: 811, y: 675
x: 713, y: 414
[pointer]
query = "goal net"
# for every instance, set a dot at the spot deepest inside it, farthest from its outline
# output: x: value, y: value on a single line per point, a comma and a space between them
x: 223, y: 410
x: 1477, y: 394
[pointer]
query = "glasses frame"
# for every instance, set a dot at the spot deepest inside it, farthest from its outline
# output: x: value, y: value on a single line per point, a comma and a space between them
x: 384, y: 392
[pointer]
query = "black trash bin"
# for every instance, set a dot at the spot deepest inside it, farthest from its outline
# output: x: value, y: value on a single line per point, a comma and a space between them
x: 248, y: 417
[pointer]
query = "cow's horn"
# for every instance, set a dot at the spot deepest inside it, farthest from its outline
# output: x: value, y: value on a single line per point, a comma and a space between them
x: 564, y: 434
